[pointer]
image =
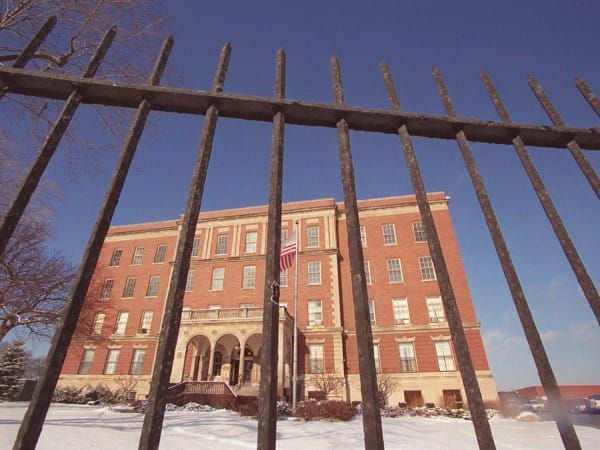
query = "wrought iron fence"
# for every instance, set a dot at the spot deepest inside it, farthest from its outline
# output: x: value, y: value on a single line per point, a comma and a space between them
x: 278, y: 110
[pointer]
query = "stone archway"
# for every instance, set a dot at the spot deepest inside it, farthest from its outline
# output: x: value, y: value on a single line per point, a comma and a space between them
x: 252, y: 359
x: 197, y: 359
x: 226, y: 359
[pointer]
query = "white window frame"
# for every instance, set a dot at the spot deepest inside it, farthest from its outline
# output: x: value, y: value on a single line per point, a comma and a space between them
x: 389, y: 234
x: 368, y: 279
x: 115, y: 258
x: 129, y: 288
x: 251, y: 240
x: 408, y: 359
x: 363, y: 236
x: 222, y: 243
x: 218, y: 279
x: 196, y: 247
x: 315, y: 312
x: 99, y: 322
x: 112, y: 359
x: 314, y: 275
x: 427, y: 268
x: 394, y: 271
x: 419, y: 232
x: 160, y: 254
x: 312, y: 236
x: 372, y: 315
x: 249, y: 277
x: 435, y: 309
x: 189, y: 281
x: 107, y: 287
x: 87, y: 359
x: 137, y: 361
x: 443, y: 351
x: 153, y: 285
x: 146, y: 321
x: 377, y: 358
x: 138, y: 254
x: 121, y: 323
x: 316, y: 358
x: 401, y: 311
x: 283, y: 278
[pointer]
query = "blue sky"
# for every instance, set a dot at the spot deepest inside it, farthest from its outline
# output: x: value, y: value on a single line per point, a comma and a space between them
x: 553, y: 40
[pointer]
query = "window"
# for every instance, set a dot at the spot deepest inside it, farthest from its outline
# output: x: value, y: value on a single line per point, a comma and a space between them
x: 129, y: 287
x: 283, y: 278
x: 372, y: 310
x: 111, y: 361
x: 315, y: 312
x: 314, y: 272
x: 107, y: 288
x: 419, y: 230
x: 137, y: 256
x: 146, y: 321
x: 394, y: 270
x: 221, y: 245
x: 218, y: 277
x: 196, y: 247
x: 251, y: 242
x: 99, y: 322
x: 246, y: 305
x: 401, y: 313
x: 159, y: 256
x: 284, y: 235
x: 189, y: 282
x: 376, y: 354
x: 137, y: 361
x: 427, y: 269
x: 408, y: 361
x: 363, y: 236
x: 217, y: 363
x: 367, y: 272
x: 444, y: 356
x: 121, y: 322
x: 248, y: 277
x: 435, y: 309
x: 153, y: 283
x: 389, y: 234
x: 312, y: 236
x: 315, y: 358
x: 86, y: 361
x: 115, y: 259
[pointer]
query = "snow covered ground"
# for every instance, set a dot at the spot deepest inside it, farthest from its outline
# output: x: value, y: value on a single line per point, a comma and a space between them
x: 94, y: 427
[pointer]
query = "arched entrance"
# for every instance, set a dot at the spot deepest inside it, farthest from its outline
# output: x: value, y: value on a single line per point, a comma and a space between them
x: 197, y: 359
x: 226, y: 359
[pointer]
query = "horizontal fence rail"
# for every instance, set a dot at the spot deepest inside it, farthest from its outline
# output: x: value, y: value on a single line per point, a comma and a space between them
x: 279, y: 110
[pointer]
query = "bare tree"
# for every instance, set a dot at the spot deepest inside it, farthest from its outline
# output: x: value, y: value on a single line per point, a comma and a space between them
x: 81, y: 25
x: 33, y: 284
x: 328, y: 383
x: 386, y: 386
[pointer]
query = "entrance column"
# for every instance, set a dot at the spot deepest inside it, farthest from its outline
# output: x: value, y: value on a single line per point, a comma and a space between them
x: 280, y: 365
x: 211, y: 359
x: 242, y: 365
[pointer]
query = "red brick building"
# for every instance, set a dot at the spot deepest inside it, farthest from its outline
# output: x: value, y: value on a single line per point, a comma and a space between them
x: 223, y: 303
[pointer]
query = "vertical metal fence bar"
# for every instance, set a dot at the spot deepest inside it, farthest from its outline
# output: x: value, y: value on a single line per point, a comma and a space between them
x: 465, y: 363
x: 588, y: 94
x: 46, y: 151
x: 573, y: 146
x: 267, y: 411
x: 33, y: 421
x: 29, y: 51
x: 545, y: 372
x: 165, y: 351
x: 373, y: 433
x: 586, y: 283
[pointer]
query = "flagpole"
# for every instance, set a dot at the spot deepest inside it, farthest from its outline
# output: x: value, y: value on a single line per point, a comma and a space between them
x: 295, y: 371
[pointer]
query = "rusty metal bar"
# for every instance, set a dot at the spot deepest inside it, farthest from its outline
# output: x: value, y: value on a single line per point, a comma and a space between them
x: 267, y: 404
x: 33, y: 421
x: 109, y: 93
x: 585, y: 281
x: 373, y: 434
x: 46, y: 151
x: 588, y: 94
x: 27, y: 53
x: 165, y: 351
x: 573, y: 146
x: 542, y: 362
x: 465, y: 363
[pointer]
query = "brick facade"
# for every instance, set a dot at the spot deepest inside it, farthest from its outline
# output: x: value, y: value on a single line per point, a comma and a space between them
x: 223, y: 308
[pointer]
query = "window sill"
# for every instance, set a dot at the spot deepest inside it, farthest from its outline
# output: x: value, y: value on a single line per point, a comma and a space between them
x: 150, y: 296
x: 429, y: 279
x: 397, y: 282
x: 126, y: 298
x: 390, y: 245
x: 248, y: 288
x: 212, y: 290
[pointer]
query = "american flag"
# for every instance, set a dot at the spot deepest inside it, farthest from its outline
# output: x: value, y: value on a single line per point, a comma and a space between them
x: 288, y: 250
